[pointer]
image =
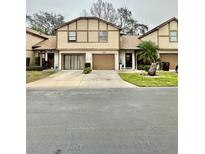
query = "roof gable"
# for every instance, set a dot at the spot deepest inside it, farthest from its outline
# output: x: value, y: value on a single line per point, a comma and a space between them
x: 48, y: 44
x: 36, y: 33
x: 79, y: 18
x: 158, y: 27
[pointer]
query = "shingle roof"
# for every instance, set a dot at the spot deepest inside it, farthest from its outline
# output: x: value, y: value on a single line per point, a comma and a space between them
x: 129, y: 42
x: 159, y: 26
x: 31, y: 31
x: 48, y: 44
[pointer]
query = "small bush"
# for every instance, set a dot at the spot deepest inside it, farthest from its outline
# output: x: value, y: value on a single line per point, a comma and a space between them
x: 27, y: 61
x: 86, y: 70
x: 87, y: 65
x: 143, y: 67
x: 34, y: 68
x: 176, y: 69
x: 165, y: 66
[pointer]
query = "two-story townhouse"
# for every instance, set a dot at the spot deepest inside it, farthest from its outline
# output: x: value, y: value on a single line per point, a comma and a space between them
x: 93, y: 40
x: 166, y: 37
x: 88, y: 39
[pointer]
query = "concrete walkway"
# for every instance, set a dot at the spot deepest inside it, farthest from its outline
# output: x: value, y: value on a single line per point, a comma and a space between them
x: 75, y: 79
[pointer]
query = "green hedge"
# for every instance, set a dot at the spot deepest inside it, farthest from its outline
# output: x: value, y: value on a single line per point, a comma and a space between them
x: 34, y: 68
x: 86, y: 70
x: 143, y: 67
x: 27, y: 61
x: 37, y: 61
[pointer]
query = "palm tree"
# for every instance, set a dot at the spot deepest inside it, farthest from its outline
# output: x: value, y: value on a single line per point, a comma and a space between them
x: 148, y: 52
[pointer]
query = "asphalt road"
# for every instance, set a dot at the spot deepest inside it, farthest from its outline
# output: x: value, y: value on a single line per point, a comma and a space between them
x: 106, y: 121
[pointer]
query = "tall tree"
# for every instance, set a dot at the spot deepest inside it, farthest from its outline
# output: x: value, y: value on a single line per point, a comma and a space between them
x: 128, y: 24
x: 104, y: 10
x: 44, y: 22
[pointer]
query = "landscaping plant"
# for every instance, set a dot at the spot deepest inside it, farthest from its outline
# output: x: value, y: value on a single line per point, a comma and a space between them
x: 148, y: 55
x: 87, y: 68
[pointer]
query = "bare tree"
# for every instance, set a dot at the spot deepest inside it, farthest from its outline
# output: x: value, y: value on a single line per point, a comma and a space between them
x: 44, y: 22
x: 104, y: 10
x: 124, y: 16
x: 84, y: 13
x: 97, y: 9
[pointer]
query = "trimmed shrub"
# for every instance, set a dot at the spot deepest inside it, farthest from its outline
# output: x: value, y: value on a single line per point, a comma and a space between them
x: 86, y: 70
x: 34, y: 68
x: 176, y: 69
x: 165, y: 66
x: 87, y: 65
x: 37, y: 61
x: 27, y: 61
x: 143, y: 67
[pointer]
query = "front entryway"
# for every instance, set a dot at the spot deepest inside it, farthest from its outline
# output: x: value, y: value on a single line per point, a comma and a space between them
x: 74, y: 61
x: 50, y: 60
x: 103, y: 61
x: 128, y: 60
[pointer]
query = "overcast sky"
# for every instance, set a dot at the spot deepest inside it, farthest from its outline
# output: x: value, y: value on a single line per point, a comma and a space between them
x: 149, y: 12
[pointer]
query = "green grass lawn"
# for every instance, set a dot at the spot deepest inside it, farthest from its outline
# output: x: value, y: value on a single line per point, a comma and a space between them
x: 164, y: 79
x: 37, y: 75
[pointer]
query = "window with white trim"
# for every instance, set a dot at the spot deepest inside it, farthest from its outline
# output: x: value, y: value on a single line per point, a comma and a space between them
x: 72, y: 36
x: 103, y: 36
x: 173, y: 36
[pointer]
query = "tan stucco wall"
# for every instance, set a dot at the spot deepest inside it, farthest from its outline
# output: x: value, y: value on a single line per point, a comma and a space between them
x: 82, y: 24
x: 164, y: 30
x: 88, y: 30
x: 173, y: 25
x: 161, y: 36
x: 72, y: 26
x: 30, y: 41
x: 151, y: 37
x: 63, y: 28
x: 82, y: 36
x: 31, y: 55
x: 92, y: 24
x: 102, y: 26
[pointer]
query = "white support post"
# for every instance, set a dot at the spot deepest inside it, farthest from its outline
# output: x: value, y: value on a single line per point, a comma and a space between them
x: 133, y: 60
x: 59, y: 61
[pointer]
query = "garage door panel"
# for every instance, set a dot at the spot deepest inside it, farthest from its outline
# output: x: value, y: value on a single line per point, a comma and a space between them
x: 172, y: 58
x: 74, y: 62
x: 103, y: 62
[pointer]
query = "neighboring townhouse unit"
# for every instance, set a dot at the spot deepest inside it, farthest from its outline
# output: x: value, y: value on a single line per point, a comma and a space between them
x: 93, y: 40
x: 166, y: 37
x: 33, y: 37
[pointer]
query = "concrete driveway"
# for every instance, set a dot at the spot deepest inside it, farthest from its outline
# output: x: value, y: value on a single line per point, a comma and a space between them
x: 75, y: 79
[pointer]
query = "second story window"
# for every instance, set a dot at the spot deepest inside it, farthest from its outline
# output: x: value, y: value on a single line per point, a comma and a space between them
x: 72, y: 36
x: 173, y: 36
x: 103, y: 36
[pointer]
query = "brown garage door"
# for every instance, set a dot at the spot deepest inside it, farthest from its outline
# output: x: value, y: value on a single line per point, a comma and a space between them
x: 172, y: 58
x: 103, y: 62
x: 74, y: 61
